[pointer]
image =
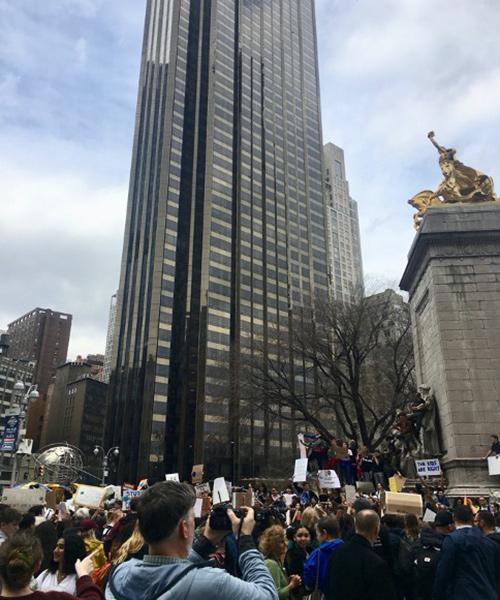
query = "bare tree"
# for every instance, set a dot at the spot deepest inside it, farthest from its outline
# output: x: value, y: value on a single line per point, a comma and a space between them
x: 345, y: 369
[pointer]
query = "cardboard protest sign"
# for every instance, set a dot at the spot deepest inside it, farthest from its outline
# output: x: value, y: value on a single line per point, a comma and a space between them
x: 202, y: 488
x: 494, y: 465
x: 172, y: 477
x: 127, y: 497
x: 328, y: 479
x: 89, y: 495
x: 396, y: 483
x: 220, y: 493
x: 23, y: 499
x: 428, y: 467
x: 402, y: 503
x: 300, y: 472
x: 239, y: 499
x: 350, y: 493
x: 197, y: 474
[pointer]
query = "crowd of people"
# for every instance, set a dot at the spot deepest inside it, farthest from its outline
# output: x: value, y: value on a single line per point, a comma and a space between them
x: 318, y: 547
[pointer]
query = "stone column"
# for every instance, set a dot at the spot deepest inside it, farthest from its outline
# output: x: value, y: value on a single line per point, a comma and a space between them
x: 453, y: 280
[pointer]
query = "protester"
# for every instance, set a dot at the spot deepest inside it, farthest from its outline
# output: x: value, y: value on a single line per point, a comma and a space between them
x: 487, y: 524
x: 426, y: 552
x: 61, y: 574
x: 273, y: 546
x: 315, y: 567
x: 305, y: 493
x: 27, y: 522
x: 393, y: 548
x: 93, y: 546
x: 46, y: 532
x: 354, y: 571
x: 468, y: 568
x: 495, y: 446
x: 166, y: 521
x: 9, y: 523
x: 296, y: 556
x: 20, y: 556
x: 411, y: 529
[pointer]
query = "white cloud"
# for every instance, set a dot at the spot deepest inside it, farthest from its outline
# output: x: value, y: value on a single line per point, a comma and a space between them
x: 81, y: 52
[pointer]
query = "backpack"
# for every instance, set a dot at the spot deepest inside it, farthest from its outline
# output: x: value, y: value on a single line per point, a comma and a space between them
x: 425, y: 561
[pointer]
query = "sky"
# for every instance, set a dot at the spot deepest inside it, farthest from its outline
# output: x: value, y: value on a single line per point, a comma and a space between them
x: 390, y: 70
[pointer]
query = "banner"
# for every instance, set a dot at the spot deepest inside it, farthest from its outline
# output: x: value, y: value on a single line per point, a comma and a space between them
x: 10, y: 432
x: 328, y: 479
x: 428, y: 467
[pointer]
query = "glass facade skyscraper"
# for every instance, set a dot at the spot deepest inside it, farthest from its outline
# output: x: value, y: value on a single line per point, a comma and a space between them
x: 225, y: 233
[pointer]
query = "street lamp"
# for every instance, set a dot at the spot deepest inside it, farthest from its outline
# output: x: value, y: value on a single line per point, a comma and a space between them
x: 28, y: 395
x: 114, y: 451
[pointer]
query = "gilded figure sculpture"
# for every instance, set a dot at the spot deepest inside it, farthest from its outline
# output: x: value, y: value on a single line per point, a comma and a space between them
x: 460, y: 184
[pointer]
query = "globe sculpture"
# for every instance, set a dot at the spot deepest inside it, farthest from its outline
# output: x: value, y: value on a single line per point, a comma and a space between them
x: 61, y: 463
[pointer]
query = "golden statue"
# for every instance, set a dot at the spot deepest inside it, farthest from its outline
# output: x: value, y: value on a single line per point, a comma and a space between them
x: 460, y: 184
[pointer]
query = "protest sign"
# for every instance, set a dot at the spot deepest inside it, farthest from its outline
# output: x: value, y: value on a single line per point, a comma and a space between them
x: 300, y: 472
x: 288, y: 499
x: 89, y: 495
x: 428, y: 467
x: 396, y: 483
x: 239, y: 499
x: 221, y: 493
x: 128, y: 495
x: 198, y: 507
x: 202, y: 488
x: 25, y: 446
x: 114, y: 491
x: 328, y: 479
x: 128, y: 486
x: 197, y: 474
x: 350, y: 493
x: 429, y: 516
x: 494, y: 465
x: 23, y: 499
x: 172, y: 477
x: 143, y: 484
x: 302, y: 446
x: 393, y: 502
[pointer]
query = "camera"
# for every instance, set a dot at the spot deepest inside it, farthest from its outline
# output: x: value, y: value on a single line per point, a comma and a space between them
x: 219, y: 519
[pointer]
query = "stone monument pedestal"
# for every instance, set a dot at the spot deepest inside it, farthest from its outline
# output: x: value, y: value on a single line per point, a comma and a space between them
x: 453, y: 280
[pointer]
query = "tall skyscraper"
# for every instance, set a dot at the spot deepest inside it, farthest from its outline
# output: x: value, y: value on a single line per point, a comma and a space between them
x: 344, y: 244
x: 41, y: 336
x: 225, y: 232
x: 110, y: 337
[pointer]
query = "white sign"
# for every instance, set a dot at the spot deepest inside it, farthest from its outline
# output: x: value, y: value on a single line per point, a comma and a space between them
x: 172, y: 477
x: 288, y: 499
x: 429, y: 516
x: 428, y: 467
x: 198, y: 505
x: 494, y: 465
x: 115, y: 490
x: 89, y: 495
x: 300, y: 472
x: 221, y: 493
x: 302, y: 446
x: 328, y: 479
x: 23, y: 499
x: 129, y: 495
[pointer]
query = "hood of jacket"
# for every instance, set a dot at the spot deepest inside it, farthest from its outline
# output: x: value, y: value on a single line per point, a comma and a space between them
x: 328, y: 547
x: 138, y: 580
x: 430, y: 537
x: 468, y: 537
